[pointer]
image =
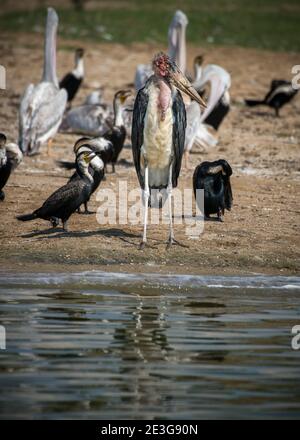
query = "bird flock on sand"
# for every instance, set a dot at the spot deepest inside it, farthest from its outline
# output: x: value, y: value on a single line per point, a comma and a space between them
x: 172, y: 112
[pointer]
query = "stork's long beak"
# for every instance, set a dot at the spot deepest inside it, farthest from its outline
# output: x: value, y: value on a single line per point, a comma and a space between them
x: 182, y: 83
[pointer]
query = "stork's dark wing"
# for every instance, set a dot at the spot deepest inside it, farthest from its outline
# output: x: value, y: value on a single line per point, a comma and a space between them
x: 137, y: 132
x: 179, y: 126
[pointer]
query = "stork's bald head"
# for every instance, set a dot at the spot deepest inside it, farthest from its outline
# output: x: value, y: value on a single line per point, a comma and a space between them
x: 162, y: 64
x: 164, y: 67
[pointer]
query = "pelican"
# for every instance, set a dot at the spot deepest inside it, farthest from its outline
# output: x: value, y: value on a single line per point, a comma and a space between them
x: 177, y: 39
x: 217, y: 105
x: 87, y: 119
x: 196, y: 131
x: 94, y: 98
x: 219, y: 99
x: 176, y: 49
x: 158, y: 132
x: 95, y: 119
x: 42, y: 106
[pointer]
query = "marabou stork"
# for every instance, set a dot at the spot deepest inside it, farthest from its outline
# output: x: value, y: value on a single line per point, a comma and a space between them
x: 158, y: 131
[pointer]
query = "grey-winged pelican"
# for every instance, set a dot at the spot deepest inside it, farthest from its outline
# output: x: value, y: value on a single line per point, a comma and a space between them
x: 42, y: 106
x: 176, y: 49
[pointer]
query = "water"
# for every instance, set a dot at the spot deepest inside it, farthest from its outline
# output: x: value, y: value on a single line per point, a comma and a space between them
x: 96, y: 345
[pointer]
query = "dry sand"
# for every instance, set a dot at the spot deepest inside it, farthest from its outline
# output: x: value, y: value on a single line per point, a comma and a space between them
x: 260, y: 234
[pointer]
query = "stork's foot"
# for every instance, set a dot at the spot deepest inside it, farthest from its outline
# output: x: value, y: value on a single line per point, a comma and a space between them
x: 86, y: 212
x: 142, y: 245
x: 172, y: 242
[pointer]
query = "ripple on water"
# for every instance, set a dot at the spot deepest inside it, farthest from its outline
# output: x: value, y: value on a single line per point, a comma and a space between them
x: 101, y: 345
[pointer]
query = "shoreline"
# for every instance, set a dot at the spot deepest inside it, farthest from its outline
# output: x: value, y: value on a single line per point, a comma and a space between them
x: 148, y: 269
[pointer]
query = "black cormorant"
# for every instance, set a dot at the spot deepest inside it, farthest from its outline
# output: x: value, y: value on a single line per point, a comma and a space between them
x: 97, y: 172
x: 281, y: 93
x: 214, y: 178
x: 72, y: 80
x: 11, y: 157
x: 117, y: 134
x: 67, y: 199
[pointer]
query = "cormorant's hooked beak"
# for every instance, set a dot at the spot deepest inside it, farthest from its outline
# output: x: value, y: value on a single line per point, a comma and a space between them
x: 182, y: 83
x: 88, y: 157
x: 91, y: 156
x: 124, y: 95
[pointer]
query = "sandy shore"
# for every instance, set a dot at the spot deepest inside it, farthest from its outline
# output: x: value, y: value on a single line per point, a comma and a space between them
x: 260, y: 234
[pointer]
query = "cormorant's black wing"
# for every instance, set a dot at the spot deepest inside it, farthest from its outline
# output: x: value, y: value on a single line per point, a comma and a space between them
x: 137, y: 132
x: 275, y: 83
x: 5, y: 172
x: 62, y: 197
x: 179, y: 126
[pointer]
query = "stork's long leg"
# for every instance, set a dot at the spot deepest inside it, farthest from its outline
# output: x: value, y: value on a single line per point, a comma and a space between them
x: 146, y: 194
x: 169, y: 192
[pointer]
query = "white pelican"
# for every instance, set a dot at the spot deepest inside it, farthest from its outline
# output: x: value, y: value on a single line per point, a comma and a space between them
x: 87, y: 119
x: 95, y: 119
x: 94, y: 98
x: 219, y: 99
x: 158, y: 131
x: 176, y: 49
x: 217, y: 105
x: 42, y: 106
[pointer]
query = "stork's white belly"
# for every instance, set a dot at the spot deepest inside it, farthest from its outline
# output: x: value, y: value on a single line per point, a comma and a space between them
x: 158, y: 143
